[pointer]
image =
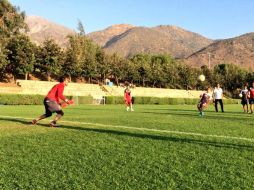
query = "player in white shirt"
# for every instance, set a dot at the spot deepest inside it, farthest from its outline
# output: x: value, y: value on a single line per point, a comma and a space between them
x: 218, y: 95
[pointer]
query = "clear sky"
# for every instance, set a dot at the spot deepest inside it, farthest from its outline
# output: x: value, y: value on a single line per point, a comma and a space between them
x: 215, y: 19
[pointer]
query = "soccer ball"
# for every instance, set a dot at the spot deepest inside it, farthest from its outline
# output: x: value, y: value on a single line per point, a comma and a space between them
x: 240, y: 95
x: 201, y: 78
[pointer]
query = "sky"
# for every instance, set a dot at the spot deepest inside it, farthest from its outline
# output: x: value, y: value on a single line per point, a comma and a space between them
x: 215, y: 19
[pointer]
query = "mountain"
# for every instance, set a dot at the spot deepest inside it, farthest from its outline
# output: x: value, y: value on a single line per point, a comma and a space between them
x: 41, y: 29
x: 161, y: 39
x: 238, y: 50
x: 103, y: 36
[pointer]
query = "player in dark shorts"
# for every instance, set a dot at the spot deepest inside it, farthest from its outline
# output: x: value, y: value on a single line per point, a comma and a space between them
x: 244, y: 96
x: 251, y: 97
x: 204, y: 101
x: 52, y: 102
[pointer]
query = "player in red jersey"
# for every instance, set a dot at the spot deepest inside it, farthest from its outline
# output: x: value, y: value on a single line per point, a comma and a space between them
x: 204, y: 101
x: 128, y: 99
x: 52, y: 102
x: 251, y: 97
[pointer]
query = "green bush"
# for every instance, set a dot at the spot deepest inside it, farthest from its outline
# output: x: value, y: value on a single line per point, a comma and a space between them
x: 161, y: 101
x: 21, y: 99
x: 114, y: 100
x: 231, y: 101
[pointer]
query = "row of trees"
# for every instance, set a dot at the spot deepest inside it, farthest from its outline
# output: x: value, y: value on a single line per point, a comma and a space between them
x: 84, y: 60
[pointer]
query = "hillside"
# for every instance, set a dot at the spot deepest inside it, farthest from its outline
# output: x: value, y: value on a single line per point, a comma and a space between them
x: 103, y: 36
x: 161, y: 39
x: 125, y: 39
x: 41, y: 29
x: 238, y: 50
x: 128, y: 40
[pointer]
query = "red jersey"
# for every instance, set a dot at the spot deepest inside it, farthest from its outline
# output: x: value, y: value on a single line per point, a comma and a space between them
x: 251, y: 93
x: 56, y: 93
x: 127, y: 95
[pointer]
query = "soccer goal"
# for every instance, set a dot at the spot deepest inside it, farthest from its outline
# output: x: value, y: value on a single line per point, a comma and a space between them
x: 99, y: 100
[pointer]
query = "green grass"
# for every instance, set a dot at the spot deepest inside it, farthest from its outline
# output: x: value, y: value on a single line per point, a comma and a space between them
x: 117, y: 155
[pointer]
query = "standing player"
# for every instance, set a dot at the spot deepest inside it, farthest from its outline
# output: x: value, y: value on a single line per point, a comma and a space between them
x: 251, y: 97
x: 244, y: 96
x: 52, y: 102
x: 128, y: 99
x: 204, y: 101
x: 218, y: 95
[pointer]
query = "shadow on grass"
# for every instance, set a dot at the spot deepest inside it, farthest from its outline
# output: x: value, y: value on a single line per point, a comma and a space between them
x: 208, y: 115
x: 160, y: 137
x: 195, y: 110
x: 23, y: 121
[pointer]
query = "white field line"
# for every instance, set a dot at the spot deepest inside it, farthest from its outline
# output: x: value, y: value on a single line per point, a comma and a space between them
x: 144, y: 129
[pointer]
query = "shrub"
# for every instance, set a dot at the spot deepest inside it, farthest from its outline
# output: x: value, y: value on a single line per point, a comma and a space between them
x: 22, y: 99
x: 18, y: 99
x: 161, y: 101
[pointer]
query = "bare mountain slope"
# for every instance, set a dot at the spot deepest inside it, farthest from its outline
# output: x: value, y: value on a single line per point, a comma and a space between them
x: 41, y: 29
x: 162, y: 39
x: 238, y: 50
x: 103, y: 36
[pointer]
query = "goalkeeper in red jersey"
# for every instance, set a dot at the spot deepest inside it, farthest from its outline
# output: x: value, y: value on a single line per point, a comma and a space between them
x: 52, y: 102
x: 128, y: 99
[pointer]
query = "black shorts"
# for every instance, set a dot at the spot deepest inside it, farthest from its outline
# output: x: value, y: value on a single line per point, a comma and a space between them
x: 251, y: 101
x: 244, y: 102
x: 202, y: 104
x: 51, y: 106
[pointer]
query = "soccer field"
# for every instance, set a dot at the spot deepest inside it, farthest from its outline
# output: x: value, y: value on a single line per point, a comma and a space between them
x: 105, y: 147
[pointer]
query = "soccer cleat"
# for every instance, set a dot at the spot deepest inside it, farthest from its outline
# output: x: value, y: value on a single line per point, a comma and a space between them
x: 53, y: 124
x: 34, y: 122
x: 201, y: 114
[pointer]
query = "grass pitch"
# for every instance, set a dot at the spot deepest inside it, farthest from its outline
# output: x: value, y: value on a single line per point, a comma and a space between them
x: 105, y: 147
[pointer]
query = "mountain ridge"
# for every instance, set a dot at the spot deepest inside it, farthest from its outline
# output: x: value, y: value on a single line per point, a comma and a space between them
x: 127, y: 40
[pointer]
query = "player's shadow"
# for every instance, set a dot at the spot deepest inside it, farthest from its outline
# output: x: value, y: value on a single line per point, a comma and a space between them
x: 144, y: 135
x: 164, y: 138
x: 22, y: 121
x: 208, y: 115
x: 195, y: 110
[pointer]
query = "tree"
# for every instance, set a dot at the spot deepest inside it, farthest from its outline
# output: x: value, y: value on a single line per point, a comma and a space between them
x: 81, y: 28
x: 74, y: 56
x: 103, y: 63
x: 89, y: 62
x: 230, y: 76
x: 50, y: 58
x: 187, y: 77
x: 81, y: 57
x: 11, y: 20
x: 143, y: 66
x: 116, y: 65
x: 21, y: 55
x: 3, y: 61
x: 11, y: 23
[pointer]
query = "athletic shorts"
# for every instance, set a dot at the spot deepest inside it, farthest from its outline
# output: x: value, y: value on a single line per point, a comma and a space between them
x: 202, y: 104
x: 51, y: 106
x: 128, y: 102
x: 251, y: 101
x: 244, y: 102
